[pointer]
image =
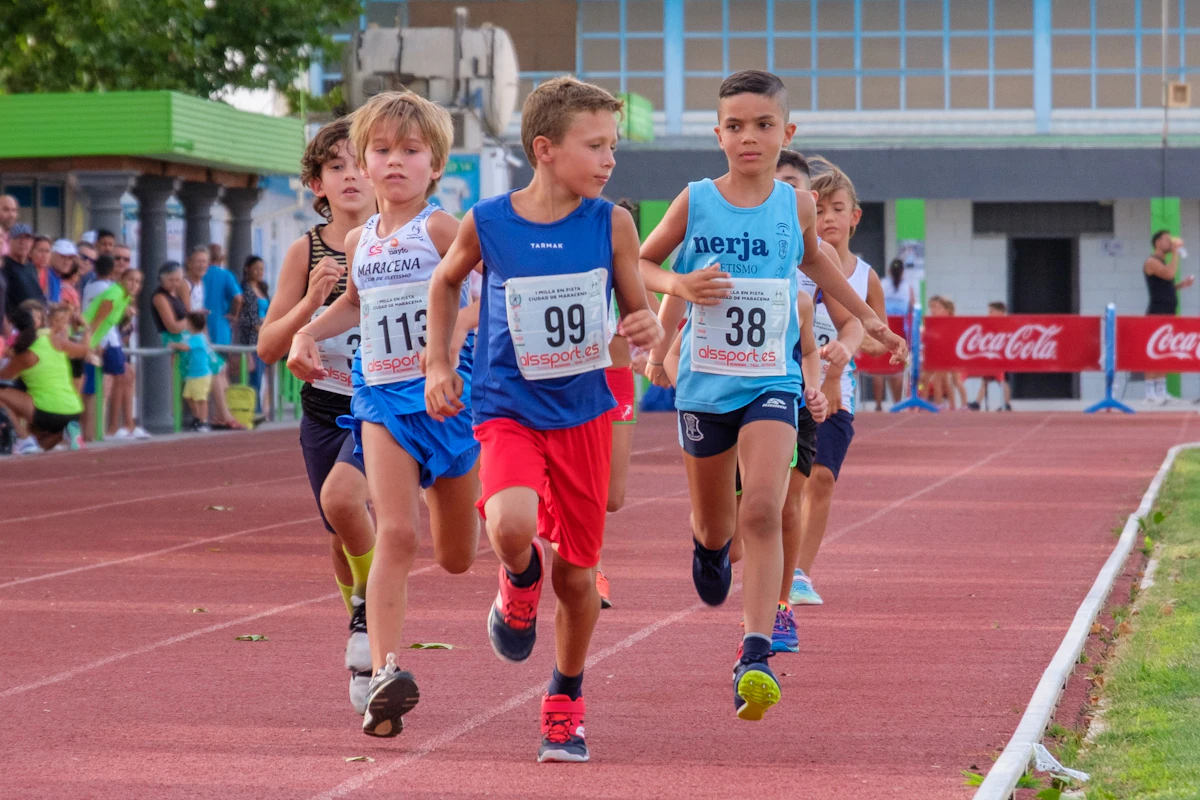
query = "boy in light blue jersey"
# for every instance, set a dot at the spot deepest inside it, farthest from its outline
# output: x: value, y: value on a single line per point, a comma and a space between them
x: 740, y: 239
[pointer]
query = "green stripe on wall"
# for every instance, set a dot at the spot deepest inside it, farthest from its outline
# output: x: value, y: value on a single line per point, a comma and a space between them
x: 1164, y: 213
x: 910, y: 219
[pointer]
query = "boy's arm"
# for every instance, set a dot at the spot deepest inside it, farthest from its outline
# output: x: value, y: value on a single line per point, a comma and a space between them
x: 875, y: 301
x: 298, y: 295
x: 705, y: 286
x: 443, y: 384
x: 670, y: 313
x: 304, y: 359
x: 637, y: 322
x: 810, y: 360
x: 825, y: 273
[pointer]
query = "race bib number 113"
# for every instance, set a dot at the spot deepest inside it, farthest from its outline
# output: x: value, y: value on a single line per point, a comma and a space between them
x: 559, y: 324
x: 393, y: 332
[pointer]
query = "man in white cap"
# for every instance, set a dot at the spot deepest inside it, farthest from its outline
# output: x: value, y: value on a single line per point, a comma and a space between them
x: 62, y: 262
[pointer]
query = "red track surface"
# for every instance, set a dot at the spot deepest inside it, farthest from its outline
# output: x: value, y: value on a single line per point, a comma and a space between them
x: 959, y: 549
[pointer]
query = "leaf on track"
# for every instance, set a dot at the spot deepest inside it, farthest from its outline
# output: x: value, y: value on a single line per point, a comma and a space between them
x: 350, y: 759
x: 251, y: 637
x: 199, y: 610
x: 218, y: 508
x: 431, y: 646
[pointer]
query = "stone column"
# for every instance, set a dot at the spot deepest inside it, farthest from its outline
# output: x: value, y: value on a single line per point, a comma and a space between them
x: 103, y: 191
x: 152, y: 192
x: 240, y: 203
x: 197, y: 199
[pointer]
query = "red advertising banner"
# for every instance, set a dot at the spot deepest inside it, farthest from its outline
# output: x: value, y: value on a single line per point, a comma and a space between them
x: 1158, y: 344
x: 882, y: 365
x: 1015, y: 343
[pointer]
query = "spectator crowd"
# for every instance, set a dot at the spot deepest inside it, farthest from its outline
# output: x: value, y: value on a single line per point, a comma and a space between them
x: 70, y: 319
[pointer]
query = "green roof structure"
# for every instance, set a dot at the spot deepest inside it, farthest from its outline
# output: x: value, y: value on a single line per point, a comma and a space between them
x: 161, y: 125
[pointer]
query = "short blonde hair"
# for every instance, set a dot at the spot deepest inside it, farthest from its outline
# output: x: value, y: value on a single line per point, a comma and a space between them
x: 550, y: 108
x: 405, y: 109
x: 827, y: 178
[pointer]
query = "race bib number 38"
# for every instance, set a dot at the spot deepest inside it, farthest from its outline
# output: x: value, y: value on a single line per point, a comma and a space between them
x: 393, y: 332
x: 559, y: 324
x: 337, y: 359
x: 744, y: 333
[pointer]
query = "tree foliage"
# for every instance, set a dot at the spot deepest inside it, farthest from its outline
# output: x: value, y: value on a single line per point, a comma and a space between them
x: 196, y: 46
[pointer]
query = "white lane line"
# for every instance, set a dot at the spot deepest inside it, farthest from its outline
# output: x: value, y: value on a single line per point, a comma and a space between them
x: 183, y: 637
x: 152, y: 553
x: 892, y: 506
x: 113, y: 473
x: 148, y: 498
x: 441, y: 740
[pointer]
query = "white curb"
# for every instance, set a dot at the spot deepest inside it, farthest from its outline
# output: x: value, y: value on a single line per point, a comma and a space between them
x: 1001, y: 780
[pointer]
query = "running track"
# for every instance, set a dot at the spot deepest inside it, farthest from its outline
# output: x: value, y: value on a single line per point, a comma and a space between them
x: 959, y: 549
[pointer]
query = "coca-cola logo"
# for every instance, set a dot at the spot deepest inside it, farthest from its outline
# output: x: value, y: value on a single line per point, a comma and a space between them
x: 1026, y: 343
x: 1166, y: 342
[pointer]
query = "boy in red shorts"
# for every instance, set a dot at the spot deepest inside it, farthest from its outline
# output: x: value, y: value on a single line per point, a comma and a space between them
x: 552, y: 253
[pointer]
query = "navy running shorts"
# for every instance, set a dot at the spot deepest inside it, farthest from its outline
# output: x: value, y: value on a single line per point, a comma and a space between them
x: 323, y: 447
x: 833, y: 440
x: 702, y: 435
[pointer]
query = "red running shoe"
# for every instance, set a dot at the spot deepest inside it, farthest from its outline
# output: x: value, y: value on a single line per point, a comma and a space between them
x: 512, y: 621
x: 562, y: 729
x: 602, y: 588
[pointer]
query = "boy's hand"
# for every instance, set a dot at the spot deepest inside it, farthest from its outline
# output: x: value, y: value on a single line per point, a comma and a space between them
x: 657, y: 374
x: 443, y: 388
x: 641, y: 328
x: 817, y: 404
x: 878, y: 330
x: 304, y: 360
x: 706, y: 286
x: 831, y: 389
x: 836, y: 353
x: 321, y: 280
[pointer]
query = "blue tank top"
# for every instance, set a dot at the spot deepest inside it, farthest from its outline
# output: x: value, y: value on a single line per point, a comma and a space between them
x: 514, y: 247
x: 750, y: 243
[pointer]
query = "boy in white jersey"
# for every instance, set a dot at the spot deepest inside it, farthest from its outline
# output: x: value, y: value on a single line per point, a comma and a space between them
x: 402, y: 143
x: 838, y: 213
x: 738, y: 389
x: 312, y: 277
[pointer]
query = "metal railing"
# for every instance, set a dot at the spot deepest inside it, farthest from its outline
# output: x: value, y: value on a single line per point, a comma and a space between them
x: 279, y: 386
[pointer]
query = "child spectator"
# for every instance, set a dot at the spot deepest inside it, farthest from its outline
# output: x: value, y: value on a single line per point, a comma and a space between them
x: 938, y: 384
x: 199, y: 373
x: 996, y: 309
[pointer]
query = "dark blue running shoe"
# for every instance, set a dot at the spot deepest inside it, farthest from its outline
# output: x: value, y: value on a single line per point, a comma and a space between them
x: 712, y: 574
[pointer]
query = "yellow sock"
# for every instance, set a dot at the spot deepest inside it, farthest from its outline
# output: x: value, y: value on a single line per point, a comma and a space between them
x: 346, y: 592
x: 360, y: 567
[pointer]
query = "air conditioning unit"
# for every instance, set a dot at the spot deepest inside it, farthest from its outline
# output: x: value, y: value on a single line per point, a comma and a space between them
x: 473, y: 72
x: 1179, y: 94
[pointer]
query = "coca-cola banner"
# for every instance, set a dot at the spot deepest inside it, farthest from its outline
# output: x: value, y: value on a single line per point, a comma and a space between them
x: 882, y: 365
x: 1015, y: 343
x: 1158, y: 344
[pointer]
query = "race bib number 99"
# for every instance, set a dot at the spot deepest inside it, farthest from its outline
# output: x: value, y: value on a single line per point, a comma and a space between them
x: 559, y: 324
x: 744, y: 333
x: 393, y: 331
x: 337, y: 359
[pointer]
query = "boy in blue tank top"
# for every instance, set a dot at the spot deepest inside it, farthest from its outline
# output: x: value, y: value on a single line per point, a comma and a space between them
x: 402, y: 143
x: 740, y: 239
x: 551, y: 254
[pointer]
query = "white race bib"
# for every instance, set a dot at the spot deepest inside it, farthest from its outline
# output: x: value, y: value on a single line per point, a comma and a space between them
x: 559, y: 324
x: 393, y: 331
x: 337, y: 359
x: 744, y: 333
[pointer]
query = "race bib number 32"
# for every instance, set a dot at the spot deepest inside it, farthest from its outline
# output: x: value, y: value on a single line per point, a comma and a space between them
x: 337, y: 359
x: 744, y: 333
x: 559, y: 324
x: 393, y: 332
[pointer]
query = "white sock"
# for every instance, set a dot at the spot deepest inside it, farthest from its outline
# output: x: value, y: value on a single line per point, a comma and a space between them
x: 1160, y: 387
x: 1150, y: 391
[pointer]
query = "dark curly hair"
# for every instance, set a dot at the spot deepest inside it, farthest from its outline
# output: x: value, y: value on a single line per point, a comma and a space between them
x: 321, y: 150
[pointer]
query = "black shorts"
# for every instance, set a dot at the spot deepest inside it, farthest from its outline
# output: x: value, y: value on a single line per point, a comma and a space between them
x: 806, y: 447
x: 77, y: 368
x: 702, y: 435
x: 323, y: 447
x: 833, y: 440
x: 45, y: 422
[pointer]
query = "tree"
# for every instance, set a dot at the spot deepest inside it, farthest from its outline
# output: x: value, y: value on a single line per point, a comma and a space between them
x: 196, y: 46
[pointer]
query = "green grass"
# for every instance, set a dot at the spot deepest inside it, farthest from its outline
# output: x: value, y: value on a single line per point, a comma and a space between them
x: 1150, y: 747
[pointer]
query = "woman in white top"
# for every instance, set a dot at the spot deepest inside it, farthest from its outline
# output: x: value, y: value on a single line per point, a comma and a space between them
x: 898, y: 300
